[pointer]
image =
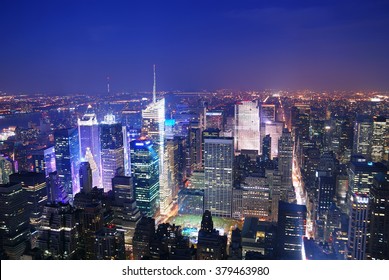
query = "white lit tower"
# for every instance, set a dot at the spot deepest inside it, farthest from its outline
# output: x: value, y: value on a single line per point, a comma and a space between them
x: 90, y: 151
x: 112, y: 150
x: 153, y: 127
x: 247, y: 126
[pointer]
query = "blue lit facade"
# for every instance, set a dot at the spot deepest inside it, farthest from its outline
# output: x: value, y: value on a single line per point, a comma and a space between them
x: 145, y: 174
x: 67, y: 159
x: 88, y: 130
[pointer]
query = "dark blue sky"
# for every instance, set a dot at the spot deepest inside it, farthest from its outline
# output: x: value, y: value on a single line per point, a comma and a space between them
x: 71, y: 46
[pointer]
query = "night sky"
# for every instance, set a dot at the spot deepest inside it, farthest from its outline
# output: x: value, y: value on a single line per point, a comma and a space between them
x: 59, y: 46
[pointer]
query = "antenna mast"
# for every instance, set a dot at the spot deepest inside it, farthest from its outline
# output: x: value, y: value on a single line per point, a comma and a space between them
x: 154, y: 87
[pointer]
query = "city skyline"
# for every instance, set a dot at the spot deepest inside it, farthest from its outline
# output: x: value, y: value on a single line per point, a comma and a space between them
x: 64, y: 48
x: 183, y: 130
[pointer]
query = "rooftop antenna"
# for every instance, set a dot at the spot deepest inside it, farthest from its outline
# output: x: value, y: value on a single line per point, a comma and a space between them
x: 108, y: 84
x: 154, y: 87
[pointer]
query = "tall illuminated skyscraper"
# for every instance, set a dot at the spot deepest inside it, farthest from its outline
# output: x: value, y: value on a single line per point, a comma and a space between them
x: 380, y: 131
x: 67, y: 159
x: 285, y: 163
x: 363, y: 130
x: 358, y: 225
x: 145, y: 174
x: 247, y: 126
x: 218, y: 171
x: 88, y: 131
x: 153, y: 127
x: 112, y: 150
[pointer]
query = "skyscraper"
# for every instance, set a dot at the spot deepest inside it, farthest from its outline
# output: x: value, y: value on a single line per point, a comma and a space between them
x: 85, y: 177
x: 247, y: 126
x: 14, y: 220
x: 291, y: 229
x: 218, y: 170
x: 144, y: 233
x: 275, y: 130
x: 109, y: 244
x: 363, y: 130
x: 112, y: 150
x: 88, y: 131
x: 34, y: 184
x: 380, y: 130
x: 266, y: 147
x: 378, y: 243
x: 211, y: 245
x: 285, y: 163
x: 214, y: 119
x: 126, y: 212
x: 326, y: 193
x: 268, y: 113
x: 67, y: 159
x: 361, y: 174
x: 44, y: 160
x: 358, y: 224
x: 57, y: 231
x: 6, y: 169
x: 153, y: 126
x: 145, y: 174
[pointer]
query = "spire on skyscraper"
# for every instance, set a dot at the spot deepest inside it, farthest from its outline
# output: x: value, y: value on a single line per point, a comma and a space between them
x: 108, y: 85
x: 154, y: 87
